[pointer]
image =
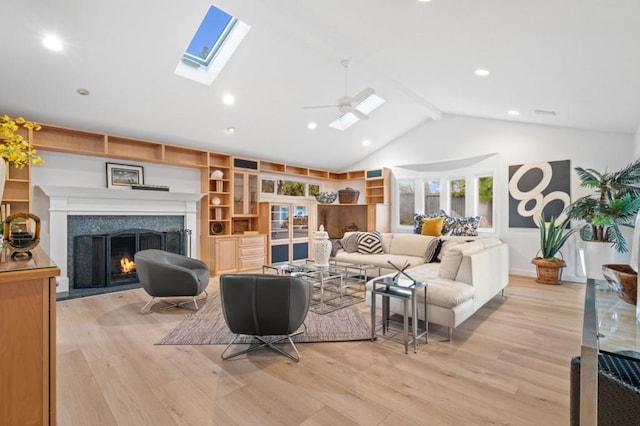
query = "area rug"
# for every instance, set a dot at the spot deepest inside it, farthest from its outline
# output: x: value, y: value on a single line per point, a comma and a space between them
x: 207, y: 327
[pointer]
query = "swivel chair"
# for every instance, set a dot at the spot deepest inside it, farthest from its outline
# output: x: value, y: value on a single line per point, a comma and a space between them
x: 165, y: 274
x: 262, y: 305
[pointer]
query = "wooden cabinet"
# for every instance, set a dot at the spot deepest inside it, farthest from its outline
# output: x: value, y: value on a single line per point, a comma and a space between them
x: 225, y: 254
x: 252, y: 251
x: 245, y: 193
x: 377, y: 183
x: 289, y: 229
x: 217, y: 183
x: 28, y: 330
x: 17, y: 190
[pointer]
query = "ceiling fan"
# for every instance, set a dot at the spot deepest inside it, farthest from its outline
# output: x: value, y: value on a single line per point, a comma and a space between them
x: 348, y: 103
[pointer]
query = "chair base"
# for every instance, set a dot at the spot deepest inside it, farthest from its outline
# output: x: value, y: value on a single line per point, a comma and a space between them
x: 149, y: 304
x: 267, y: 343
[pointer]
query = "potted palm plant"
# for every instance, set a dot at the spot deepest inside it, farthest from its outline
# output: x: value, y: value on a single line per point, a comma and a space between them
x: 614, y: 204
x: 552, y: 238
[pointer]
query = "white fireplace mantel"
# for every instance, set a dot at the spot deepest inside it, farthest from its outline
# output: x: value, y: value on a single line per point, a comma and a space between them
x: 64, y: 201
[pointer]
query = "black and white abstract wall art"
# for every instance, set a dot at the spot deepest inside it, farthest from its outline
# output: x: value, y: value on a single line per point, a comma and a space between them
x: 536, y: 188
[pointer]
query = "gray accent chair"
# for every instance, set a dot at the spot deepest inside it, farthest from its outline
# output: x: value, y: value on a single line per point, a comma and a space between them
x: 165, y: 274
x: 271, y: 308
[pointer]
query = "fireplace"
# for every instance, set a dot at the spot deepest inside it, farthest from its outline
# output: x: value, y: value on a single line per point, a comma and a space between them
x: 107, y: 260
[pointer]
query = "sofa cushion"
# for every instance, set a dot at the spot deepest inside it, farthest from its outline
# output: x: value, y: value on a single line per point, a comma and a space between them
x: 419, y: 217
x: 446, y: 246
x: 448, y: 294
x: 369, y: 243
x: 450, y: 264
x: 432, y: 226
x: 380, y: 260
x: 410, y: 244
x: 350, y: 243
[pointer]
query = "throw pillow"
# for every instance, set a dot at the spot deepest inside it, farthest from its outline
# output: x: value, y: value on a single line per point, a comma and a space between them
x: 466, y: 226
x: 335, y: 246
x: 450, y: 264
x: 430, y: 252
x: 370, y: 243
x: 436, y: 254
x: 350, y: 243
x: 419, y: 217
x: 432, y: 226
x: 448, y: 224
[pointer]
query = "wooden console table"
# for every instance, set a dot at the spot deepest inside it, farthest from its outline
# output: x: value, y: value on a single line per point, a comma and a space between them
x: 28, y: 331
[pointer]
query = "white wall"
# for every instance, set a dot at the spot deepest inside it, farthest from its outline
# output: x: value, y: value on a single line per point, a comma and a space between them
x: 87, y: 171
x: 457, y: 137
x: 636, y: 144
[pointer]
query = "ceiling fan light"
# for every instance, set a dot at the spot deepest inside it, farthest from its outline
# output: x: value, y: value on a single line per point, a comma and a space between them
x: 370, y: 103
x: 345, y: 121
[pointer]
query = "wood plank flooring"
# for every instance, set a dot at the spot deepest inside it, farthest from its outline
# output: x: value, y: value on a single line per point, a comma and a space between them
x: 508, y: 364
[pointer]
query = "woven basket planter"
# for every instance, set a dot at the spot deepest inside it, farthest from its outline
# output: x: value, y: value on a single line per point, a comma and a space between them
x: 549, y: 271
x: 348, y: 196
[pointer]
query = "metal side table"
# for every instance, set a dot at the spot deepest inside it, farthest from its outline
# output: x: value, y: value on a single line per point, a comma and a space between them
x: 407, y: 292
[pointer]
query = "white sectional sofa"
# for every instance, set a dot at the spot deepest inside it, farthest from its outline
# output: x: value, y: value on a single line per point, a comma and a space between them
x: 472, y: 271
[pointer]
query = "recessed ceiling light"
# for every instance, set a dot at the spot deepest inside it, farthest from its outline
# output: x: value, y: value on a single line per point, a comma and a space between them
x: 367, y: 142
x: 482, y: 72
x: 231, y: 129
x: 228, y: 99
x: 513, y: 112
x: 312, y: 125
x: 52, y: 42
x: 544, y: 112
x: 83, y: 92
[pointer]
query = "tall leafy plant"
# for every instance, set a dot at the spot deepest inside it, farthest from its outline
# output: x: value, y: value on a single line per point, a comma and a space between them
x: 553, y: 237
x: 614, y: 203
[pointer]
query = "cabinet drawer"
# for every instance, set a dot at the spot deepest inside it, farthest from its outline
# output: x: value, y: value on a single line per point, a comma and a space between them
x: 252, y: 251
x: 257, y: 240
x: 252, y: 262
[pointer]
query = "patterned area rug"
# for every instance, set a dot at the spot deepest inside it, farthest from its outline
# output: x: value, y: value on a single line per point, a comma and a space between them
x: 207, y: 327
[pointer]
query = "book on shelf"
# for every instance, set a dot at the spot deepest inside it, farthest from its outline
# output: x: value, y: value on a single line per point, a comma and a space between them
x: 218, y: 213
x: 219, y: 186
x: 5, y: 211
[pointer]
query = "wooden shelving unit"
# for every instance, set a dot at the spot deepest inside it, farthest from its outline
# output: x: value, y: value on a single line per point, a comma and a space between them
x: 219, y: 194
x: 17, y: 189
x: 377, y: 186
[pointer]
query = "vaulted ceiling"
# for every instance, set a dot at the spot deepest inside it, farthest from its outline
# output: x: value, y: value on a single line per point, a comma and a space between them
x: 578, y: 58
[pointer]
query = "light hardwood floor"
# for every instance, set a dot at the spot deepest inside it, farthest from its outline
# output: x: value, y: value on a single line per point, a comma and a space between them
x: 508, y: 364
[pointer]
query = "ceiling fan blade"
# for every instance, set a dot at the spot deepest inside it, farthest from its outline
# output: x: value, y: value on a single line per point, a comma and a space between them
x: 320, y: 106
x: 361, y: 115
x: 364, y: 94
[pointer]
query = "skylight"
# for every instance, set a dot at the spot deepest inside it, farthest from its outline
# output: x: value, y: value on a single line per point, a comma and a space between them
x: 348, y: 119
x: 213, y: 44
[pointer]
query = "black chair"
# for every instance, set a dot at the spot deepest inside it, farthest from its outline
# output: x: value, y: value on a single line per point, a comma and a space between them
x: 271, y: 308
x: 618, y: 389
x: 166, y: 274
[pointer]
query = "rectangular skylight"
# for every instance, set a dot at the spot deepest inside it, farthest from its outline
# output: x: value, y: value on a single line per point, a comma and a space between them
x: 348, y: 119
x: 216, y: 39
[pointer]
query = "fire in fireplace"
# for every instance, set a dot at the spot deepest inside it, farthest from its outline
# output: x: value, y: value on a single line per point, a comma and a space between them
x: 107, y: 260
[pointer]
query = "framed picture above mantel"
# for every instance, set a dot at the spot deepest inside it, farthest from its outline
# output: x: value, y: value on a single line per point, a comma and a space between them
x: 120, y: 176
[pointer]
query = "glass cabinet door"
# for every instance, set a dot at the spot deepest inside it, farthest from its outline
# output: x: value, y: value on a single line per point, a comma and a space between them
x: 300, y: 221
x: 279, y: 222
x: 252, y: 189
x: 238, y: 193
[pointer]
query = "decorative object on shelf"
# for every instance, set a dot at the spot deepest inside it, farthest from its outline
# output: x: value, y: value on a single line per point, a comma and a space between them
x: 15, y: 149
x: 552, y: 238
x: 216, y: 228
x: 321, y: 247
x: 122, y: 176
x: 623, y: 280
x: 326, y: 197
x: 216, y: 201
x: 614, y: 203
x: 350, y: 228
x: 348, y: 196
x: 18, y: 234
x: 217, y: 174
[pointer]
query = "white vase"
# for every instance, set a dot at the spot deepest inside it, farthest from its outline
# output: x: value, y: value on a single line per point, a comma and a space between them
x: 321, y: 248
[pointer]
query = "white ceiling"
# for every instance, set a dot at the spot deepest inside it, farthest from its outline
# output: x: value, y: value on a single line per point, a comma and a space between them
x: 576, y: 57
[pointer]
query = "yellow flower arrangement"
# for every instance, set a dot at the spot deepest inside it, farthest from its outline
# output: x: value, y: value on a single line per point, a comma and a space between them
x: 13, y: 147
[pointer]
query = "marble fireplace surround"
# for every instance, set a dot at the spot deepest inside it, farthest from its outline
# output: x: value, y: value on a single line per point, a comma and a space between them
x: 64, y: 201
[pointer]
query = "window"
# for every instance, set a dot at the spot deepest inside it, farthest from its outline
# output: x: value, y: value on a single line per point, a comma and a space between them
x: 213, y: 44
x: 431, y: 196
x: 484, y: 206
x: 407, y: 202
x: 457, y: 199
